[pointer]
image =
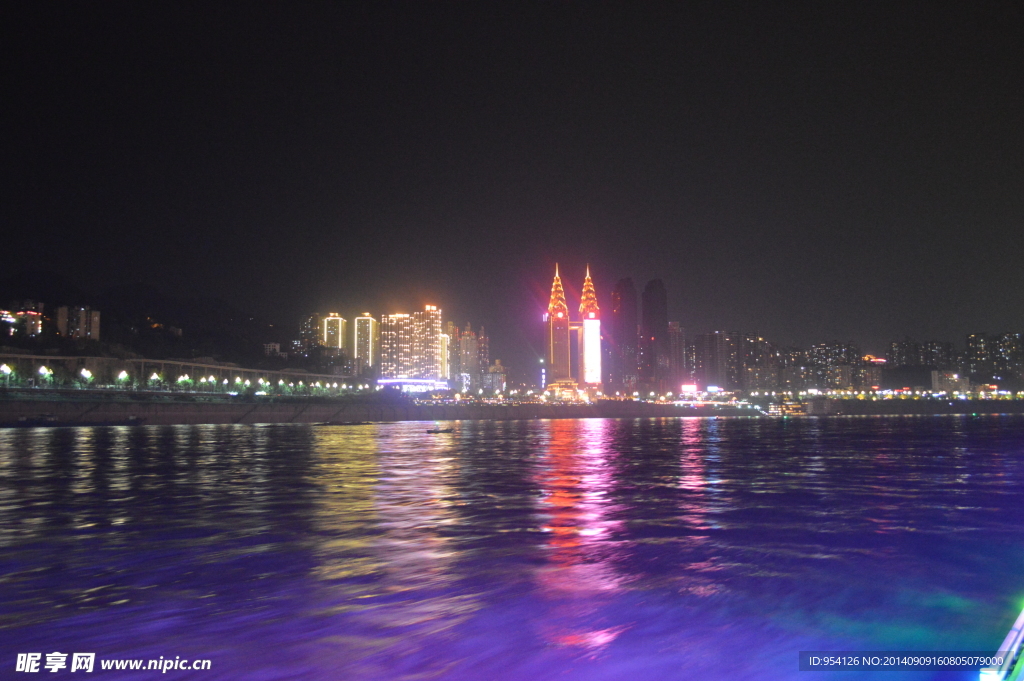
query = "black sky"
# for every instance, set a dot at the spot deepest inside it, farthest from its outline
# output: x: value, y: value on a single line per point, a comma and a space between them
x: 809, y: 171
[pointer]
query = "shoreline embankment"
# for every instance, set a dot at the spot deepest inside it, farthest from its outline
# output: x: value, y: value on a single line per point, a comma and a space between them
x: 105, y: 412
x: 86, y: 412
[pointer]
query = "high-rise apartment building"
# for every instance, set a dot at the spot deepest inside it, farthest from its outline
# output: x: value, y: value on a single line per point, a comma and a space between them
x: 677, y: 369
x: 427, y: 345
x: 1009, y: 356
x: 309, y: 331
x: 411, y: 345
x: 396, y: 332
x: 469, y: 359
x: 367, y: 344
x: 454, y: 334
x: 622, y: 333
x: 838, y: 353
x: 445, y: 350
x: 711, y: 358
x: 334, y: 329
x: 980, y: 356
x: 654, y: 335
x: 483, y: 345
x: 905, y: 353
x: 939, y: 354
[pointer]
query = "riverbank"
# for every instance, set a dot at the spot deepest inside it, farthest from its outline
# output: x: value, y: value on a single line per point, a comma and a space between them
x: 106, y: 412
x: 40, y: 411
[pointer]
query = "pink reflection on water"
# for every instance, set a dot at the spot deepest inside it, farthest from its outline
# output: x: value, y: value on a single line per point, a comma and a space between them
x: 581, y: 575
x: 695, y: 507
x: 693, y: 479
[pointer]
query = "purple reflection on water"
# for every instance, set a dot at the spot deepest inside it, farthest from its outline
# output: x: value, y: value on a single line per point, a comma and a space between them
x: 661, y: 549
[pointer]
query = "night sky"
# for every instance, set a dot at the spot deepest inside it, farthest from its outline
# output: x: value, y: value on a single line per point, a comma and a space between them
x: 808, y: 171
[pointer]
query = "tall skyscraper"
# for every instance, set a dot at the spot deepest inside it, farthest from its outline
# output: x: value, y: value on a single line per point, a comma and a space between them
x: 445, y: 340
x: 676, y: 355
x: 483, y: 344
x: 622, y: 332
x: 654, y: 336
x: 981, y: 354
x: 427, y: 344
x: 454, y: 352
x: 396, y: 346
x: 590, y: 335
x: 469, y: 360
x: 411, y: 345
x: 711, y: 356
x: 366, y: 340
x: 334, y: 331
x: 557, y: 318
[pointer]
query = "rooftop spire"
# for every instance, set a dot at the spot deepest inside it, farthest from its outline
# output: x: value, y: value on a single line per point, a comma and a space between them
x: 588, y: 301
x: 557, y: 305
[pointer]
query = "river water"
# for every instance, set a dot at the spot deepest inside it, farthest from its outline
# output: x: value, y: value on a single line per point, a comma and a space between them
x: 588, y: 549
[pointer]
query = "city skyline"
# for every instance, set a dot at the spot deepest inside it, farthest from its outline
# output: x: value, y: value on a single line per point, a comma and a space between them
x: 853, y: 176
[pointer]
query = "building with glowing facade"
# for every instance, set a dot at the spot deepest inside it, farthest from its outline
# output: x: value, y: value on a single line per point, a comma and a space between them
x: 333, y: 331
x: 445, y: 366
x: 411, y: 346
x: 366, y: 340
x: 560, y: 328
x: 590, y: 335
x: 559, y: 366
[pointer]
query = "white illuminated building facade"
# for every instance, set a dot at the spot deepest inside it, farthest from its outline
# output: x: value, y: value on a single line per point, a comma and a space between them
x: 333, y: 331
x: 367, y: 343
x: 445, y: 369
x: 589, y: 336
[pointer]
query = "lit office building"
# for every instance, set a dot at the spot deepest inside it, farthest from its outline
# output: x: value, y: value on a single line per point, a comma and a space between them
x: 334, y: 329
x: 557, y: 319
x: 366, y: 340
x: 590, y: 335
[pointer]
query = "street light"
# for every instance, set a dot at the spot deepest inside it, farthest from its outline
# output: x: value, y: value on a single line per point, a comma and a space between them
x: 6, y: 371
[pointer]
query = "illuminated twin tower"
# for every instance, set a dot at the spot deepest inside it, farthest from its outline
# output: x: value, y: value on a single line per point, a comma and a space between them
x: 588, y: 335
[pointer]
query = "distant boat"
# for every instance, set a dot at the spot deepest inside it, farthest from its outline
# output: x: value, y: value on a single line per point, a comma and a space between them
x: 434, y: 431
x: 342, y: 423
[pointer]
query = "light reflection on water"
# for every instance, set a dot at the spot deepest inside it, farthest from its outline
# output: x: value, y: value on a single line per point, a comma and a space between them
x: 591, y: 549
